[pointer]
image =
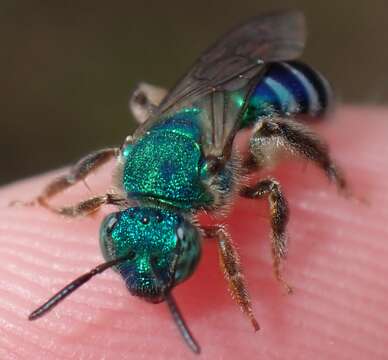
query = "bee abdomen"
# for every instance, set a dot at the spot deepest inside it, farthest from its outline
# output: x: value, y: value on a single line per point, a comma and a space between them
x: 288, y: 89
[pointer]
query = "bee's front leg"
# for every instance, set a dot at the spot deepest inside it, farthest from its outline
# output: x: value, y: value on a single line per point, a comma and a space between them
x: 89, y: 206
x: 279, y: 219
x: 77, y: 173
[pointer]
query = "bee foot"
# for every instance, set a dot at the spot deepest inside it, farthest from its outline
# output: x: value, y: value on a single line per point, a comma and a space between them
x: 19, y: 203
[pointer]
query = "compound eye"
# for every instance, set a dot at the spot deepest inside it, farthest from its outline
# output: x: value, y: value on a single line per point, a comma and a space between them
x: 187, y: 236
x: 180, y: 233
x: 107, y: 243
x: 110, y: 222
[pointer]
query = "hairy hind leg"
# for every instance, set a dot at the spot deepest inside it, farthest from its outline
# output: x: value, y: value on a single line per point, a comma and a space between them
x: 279, y: 219
x: 77, y: 173
x: 272, y: 135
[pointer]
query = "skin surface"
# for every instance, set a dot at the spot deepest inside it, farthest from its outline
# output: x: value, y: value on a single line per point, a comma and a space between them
x: 337, y: 265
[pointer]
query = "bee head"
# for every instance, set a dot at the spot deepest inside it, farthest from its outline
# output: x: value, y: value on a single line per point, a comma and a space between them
x: 163, y: 248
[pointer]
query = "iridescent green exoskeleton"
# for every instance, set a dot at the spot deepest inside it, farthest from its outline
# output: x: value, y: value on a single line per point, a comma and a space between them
x: 181, y: 161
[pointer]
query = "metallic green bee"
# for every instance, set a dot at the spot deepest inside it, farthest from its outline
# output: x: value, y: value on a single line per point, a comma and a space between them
x: 181, y: 161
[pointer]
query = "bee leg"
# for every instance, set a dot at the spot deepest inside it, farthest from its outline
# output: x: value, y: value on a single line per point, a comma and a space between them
x: 279, y: 219
x: 231, y: 267
x: 88, y: 206
x: 77, y: 173
x: 273, y: 135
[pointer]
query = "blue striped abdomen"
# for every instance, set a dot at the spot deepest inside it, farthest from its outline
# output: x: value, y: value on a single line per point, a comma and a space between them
x: 287, y: 89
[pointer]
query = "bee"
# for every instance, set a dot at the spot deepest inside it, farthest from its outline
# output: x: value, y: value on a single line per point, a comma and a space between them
x: 181, y: 161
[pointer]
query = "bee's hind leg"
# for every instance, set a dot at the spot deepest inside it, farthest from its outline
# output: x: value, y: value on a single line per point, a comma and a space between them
x: 270, y: 137
x: 77, y: 173
x: 279, y: 219
x: 274, y: 135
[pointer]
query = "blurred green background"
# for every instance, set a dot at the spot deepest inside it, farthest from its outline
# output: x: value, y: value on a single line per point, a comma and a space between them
x: 67, y: 69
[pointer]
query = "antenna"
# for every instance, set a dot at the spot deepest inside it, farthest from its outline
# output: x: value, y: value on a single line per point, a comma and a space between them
x: 174, y: 309
x: 74, y: 285
x: 180, y: 322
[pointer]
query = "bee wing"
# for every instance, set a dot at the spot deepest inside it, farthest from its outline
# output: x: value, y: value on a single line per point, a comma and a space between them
x: 273, y: 37
x: 232, y: 65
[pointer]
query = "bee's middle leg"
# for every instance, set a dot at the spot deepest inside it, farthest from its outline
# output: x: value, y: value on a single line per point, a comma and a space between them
x: 279, y: 219
x: 230, y: 265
